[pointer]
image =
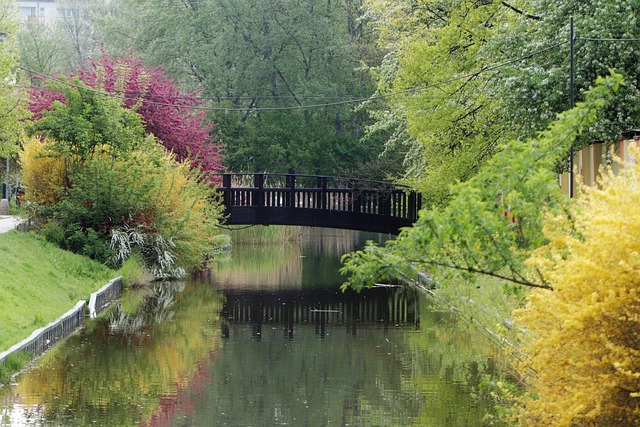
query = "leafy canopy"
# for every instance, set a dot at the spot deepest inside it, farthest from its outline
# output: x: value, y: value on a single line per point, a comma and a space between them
x: 12, y: 99
x: 121, y: 192
x: 536, y: 87
x: 83, y: 120
x: 261, y: 64
x: 444, y: 112
x: 494, y: 220
x: 165, y: 111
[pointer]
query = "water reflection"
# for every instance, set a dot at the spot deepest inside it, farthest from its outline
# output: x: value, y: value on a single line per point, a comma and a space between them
x: 111, y: 377
x: 264, y: 341
x: 311, y: 262
x: 383, y: 306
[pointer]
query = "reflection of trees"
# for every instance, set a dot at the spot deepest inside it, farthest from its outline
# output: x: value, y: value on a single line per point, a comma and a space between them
x: 456, y: 359
x: 156, y: 309
x: 127, y: 379
x: 387, y: 376
x: 261, y: 267
x: 315, y: 259
x: 332, y: 242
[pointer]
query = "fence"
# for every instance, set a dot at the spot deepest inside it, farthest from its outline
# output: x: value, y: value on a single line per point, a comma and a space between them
x: 43, y: 338
x: 589, y: 159
x: 100, y: 300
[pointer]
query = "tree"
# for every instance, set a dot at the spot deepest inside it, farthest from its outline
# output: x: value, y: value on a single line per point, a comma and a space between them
x: 582, y: 338
x: 494, y: 220
x: 122, y: 191
x: 82, y: 121
x: 262, y: 64
x: 166, y: 112
x: 443, y: 108
x: 42, y: 49
x: 12, y: 101
x: 537, y: 87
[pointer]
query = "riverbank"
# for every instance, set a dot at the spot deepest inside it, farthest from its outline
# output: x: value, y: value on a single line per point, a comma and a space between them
x: 39, y: 282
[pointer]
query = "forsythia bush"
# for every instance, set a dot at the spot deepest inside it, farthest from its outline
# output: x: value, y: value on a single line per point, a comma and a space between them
x: 584, y: 343
x: 42, y: 174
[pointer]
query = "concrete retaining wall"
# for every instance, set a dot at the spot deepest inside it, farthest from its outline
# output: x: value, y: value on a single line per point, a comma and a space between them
x: 99, y: 301
x: 44, y: 338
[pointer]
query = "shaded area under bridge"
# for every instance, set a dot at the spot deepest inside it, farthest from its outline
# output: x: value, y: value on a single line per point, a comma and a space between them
x: 380, y: 306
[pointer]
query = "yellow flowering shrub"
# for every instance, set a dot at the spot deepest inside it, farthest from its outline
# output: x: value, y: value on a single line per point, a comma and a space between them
x: 43, y: 175
x: 189, y: 209
x: 583, y: 338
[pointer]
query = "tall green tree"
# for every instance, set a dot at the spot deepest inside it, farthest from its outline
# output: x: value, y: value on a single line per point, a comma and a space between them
x: 537, y: 87
x: 262, y: 65
x: 444, y: 112
x: 12, y: 97
x: 42, y: 49
x: 493, y: 221
x: 66, y: 42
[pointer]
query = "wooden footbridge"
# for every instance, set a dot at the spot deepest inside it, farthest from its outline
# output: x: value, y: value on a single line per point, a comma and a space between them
x: 318, y: 201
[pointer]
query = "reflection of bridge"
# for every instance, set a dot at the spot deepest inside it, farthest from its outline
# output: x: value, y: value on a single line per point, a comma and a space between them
x: 382, y: 306
x: 318, y: 201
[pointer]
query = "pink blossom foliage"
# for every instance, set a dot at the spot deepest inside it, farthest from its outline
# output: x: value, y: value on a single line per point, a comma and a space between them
x: 167, y: 113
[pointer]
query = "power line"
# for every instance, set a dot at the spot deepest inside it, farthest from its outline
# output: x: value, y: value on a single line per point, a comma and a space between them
x: 310, y: 106
x: 591, y: 39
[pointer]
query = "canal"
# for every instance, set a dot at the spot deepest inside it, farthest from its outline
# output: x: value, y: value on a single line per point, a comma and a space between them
x: 265, y: 338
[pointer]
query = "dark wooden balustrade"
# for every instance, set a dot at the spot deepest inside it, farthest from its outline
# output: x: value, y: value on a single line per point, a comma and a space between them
x: 318, y: 201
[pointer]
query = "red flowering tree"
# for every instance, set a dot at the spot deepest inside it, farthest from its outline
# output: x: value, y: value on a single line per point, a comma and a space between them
x: 167, y: 113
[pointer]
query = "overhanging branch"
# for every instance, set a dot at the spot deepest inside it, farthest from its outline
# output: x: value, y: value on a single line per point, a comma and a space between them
x: 521, y: 12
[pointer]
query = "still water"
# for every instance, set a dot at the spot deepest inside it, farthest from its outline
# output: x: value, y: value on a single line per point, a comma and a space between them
x: 265, y: 338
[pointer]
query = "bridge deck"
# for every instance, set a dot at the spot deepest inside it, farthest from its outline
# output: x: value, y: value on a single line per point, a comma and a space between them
x: 318, y: 201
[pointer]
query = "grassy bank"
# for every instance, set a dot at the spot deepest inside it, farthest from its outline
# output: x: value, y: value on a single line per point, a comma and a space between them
x: 489, y: 302
x: 39, y: 282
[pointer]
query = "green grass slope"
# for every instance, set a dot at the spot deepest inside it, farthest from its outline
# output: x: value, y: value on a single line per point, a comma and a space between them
x: 39, y: 282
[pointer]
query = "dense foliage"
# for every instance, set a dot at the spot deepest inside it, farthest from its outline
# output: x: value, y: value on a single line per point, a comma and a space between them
x: 492, y: 221
x: 167, y: 113
x: 443, y: 109
x: 12, y: 100
x: 121, y: 192
x: 279, y: 76
x: 584, y: 336
x: 536, y: 86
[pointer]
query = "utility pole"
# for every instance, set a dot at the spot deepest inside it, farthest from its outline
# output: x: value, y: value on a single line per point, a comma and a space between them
x: 572, y: 40
x: 8, y: 194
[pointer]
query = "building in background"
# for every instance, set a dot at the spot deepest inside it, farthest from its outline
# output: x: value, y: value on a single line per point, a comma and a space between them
x: 45, y: 10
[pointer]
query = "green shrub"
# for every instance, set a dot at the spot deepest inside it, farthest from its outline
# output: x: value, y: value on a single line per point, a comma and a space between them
x: 14, y: 363
x: 88, y: 243
x: 133, y: 272
x: 53, y: 232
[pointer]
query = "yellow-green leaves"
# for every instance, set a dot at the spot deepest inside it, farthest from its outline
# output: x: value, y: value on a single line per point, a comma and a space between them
x: 12, y: 97
x: 495, y: 219
x: 584, y: 336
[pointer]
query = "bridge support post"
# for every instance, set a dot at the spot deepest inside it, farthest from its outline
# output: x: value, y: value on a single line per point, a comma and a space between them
x: 414, y: 206
x: 386, y: 207
x: 355, y: 206
x: 290, y: 201
x: 258, y: 183
x: 321, y: 183
x: 226, y: 188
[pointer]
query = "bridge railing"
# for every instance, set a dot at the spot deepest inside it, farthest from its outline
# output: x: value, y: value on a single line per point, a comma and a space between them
x: 266, y: 192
